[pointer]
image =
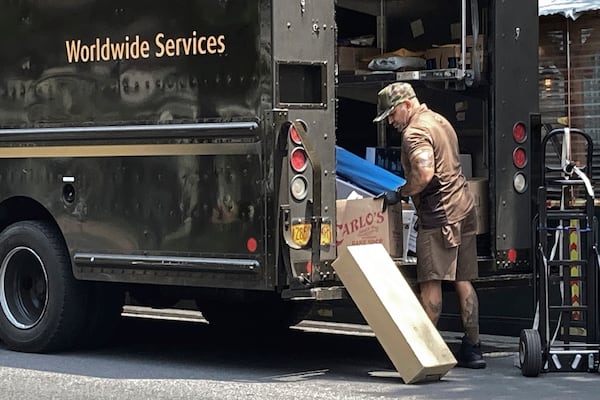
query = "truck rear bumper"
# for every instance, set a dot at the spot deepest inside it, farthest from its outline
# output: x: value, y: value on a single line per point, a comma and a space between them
x: 317, y: 294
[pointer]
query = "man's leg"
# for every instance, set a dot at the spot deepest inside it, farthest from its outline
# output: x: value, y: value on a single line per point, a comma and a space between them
x: 469, y: 309
x: 469, y: 355
x: 431, y: 298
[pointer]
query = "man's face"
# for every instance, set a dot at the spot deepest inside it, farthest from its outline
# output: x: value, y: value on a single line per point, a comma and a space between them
x: 399, y: 116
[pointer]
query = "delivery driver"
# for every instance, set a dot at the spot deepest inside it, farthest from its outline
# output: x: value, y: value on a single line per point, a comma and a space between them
x: 446, y: 249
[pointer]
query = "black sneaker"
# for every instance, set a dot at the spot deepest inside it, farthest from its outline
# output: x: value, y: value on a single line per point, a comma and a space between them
x: 469, y: 355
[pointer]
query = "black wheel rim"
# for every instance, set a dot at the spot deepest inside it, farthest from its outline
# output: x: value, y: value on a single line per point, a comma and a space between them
x: 24, y: 287
x: 522, y: 351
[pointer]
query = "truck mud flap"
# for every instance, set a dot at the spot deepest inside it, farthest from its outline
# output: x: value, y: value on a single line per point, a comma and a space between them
x: 394, y: 313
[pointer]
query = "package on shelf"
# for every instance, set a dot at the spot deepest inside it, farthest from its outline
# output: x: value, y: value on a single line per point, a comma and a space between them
x: 480, y: 48
x: 398, y: 60
x: 480, y: 42
x: 433, y: 58
x: 448, y: 55
x: 443, y: 56
x: 403, y: 52
x: 355, y: 58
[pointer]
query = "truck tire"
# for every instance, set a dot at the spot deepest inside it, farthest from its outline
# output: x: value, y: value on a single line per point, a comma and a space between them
x: 42, y: 305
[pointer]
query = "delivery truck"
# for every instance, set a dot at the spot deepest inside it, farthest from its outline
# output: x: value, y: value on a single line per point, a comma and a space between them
x: 174, y: 151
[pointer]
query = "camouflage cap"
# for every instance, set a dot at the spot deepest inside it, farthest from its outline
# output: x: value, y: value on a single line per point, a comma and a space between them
x: 390, y: 96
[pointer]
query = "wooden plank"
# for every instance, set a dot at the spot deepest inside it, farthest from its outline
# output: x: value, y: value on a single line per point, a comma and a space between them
x: 394, y: 313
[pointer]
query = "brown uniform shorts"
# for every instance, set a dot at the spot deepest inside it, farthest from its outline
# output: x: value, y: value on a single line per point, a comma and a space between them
x: 448, y: 253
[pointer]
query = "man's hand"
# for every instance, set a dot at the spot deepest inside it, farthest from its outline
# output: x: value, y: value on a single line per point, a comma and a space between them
x: 390, y: 198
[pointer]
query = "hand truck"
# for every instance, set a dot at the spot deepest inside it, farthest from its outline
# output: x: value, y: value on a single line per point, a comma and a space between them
x: 565, y: 336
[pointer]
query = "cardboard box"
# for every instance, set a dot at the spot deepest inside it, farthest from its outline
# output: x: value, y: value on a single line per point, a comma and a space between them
x: 451, y: 56
x: 353, y: 58
x: 479, y: 187
x: 482, y: 60
x: 394, y: 313
x: 480, y: 47
x: 433, y: 57
x: 469, y: 42
x: 439, y: 57
x: 362, y: 222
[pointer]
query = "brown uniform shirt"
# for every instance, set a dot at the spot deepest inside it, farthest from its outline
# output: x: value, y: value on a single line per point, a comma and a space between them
x: 446, y: 199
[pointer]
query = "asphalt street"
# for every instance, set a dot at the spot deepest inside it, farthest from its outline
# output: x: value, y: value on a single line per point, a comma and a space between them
x: 178, y: 356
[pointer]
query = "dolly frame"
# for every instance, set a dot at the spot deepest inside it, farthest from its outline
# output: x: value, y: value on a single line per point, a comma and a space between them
x: 539, y: 351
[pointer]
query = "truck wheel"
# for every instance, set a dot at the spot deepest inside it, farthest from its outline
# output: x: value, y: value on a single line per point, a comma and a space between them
x: 530, y: 352
x: 42, y: 305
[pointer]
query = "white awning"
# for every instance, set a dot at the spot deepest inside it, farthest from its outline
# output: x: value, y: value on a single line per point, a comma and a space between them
x: 569, y: 8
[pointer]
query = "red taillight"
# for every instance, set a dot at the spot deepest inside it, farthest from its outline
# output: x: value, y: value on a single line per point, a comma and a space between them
x: 298, y: 159
x: 520, y: 157
x: 519, y: 132
x: 294, y: 135
x: 309, y: 267
x: 511, y: 255
x: 251, y: 245
x: 299, y: 183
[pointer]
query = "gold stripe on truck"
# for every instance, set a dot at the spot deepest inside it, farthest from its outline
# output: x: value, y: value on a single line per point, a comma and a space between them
x: 128, y: 150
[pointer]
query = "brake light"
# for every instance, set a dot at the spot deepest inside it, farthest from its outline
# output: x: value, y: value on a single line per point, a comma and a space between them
x: 511, y: 254
x: 519, y: 132
x: 520, y: 157
x: 252, y: 245
x: 294, y: 135
x: 298, y: 159
x: 301, y: 186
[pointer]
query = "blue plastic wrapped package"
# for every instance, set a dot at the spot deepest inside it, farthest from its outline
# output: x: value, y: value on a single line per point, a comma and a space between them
x: 395, y: 63
x: 364, y: 174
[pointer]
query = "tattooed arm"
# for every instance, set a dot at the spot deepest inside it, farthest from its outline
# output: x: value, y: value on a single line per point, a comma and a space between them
x: 422, y: 168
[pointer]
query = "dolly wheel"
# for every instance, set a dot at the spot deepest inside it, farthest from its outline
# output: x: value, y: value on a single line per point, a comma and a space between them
x: 530, y: 352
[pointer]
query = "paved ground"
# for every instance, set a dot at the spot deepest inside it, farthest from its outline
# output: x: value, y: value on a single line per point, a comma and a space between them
x: 174, y: 359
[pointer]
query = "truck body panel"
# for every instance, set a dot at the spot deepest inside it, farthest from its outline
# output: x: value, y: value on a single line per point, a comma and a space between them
x: 148, y: 132
x: 188, y: 147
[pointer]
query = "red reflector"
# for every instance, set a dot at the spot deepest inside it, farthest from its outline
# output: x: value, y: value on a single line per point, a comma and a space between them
x: 298, y: 159
x: 309, y: 267
x: 511, y: 255
x: 520, y: 157
x: 294, y: 135
x: 519, y: 132
x: 252, y: 245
